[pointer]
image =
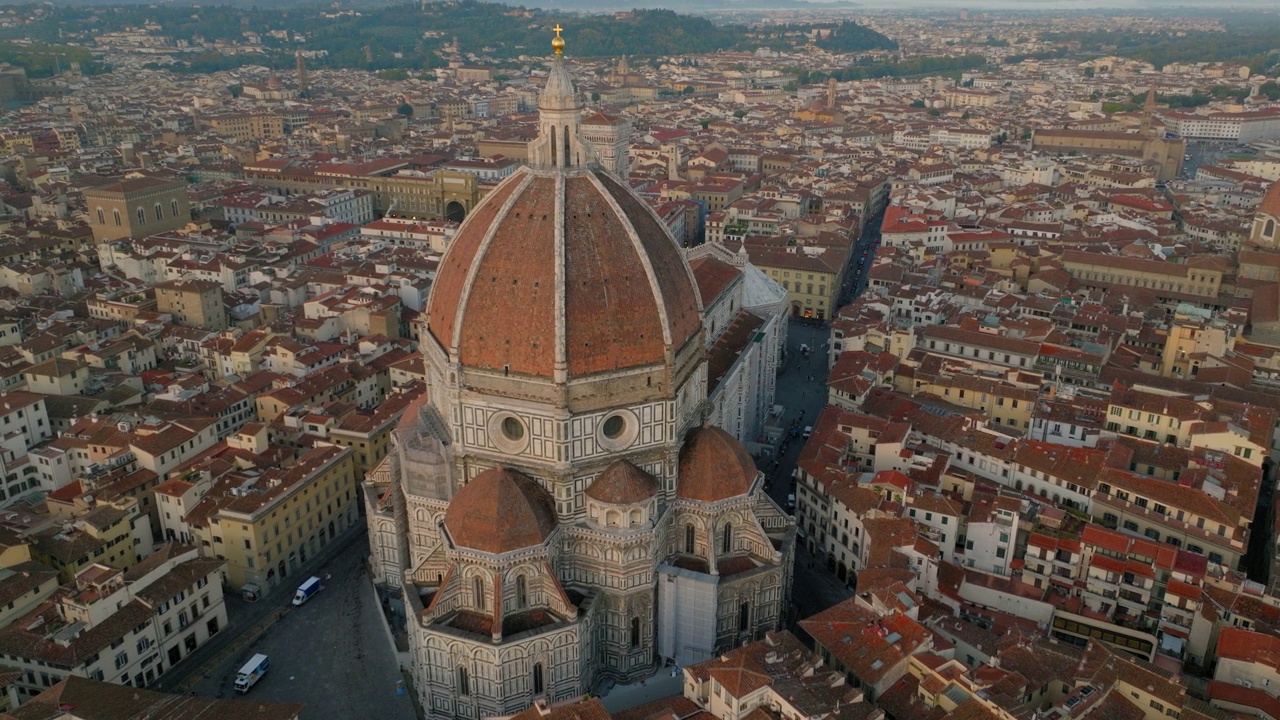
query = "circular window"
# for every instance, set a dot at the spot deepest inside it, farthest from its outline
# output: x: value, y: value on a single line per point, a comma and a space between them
x: 614, y: 427
x: 618, y: 431
x: 512, y: 429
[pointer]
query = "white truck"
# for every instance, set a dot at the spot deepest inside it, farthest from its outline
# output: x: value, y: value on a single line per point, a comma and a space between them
x: 251, y: 673
x: 306, y: 590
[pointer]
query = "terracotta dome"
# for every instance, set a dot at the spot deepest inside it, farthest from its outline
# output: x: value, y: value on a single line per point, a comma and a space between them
x: 1270, y: 204
x: 623, y: 484
x: 563, y: 269
x: 500, y: 511
x: 714, y: 466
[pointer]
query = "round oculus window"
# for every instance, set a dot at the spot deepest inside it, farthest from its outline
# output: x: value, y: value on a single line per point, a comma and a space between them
x: 614, y: 426
x: 512, y: 429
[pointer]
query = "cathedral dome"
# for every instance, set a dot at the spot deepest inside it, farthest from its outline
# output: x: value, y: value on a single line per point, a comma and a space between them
x: 714, y: 466
x: 1270, y: 204
x: 563, y: 270
x: 500, y: 511
x: 623, y: 484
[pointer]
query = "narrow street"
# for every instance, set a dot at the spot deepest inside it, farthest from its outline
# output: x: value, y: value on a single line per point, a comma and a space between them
x: 802, y: 392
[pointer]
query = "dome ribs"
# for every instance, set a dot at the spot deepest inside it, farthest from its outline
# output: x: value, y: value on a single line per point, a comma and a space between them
x: 510, y: 314
x: 611, y: 317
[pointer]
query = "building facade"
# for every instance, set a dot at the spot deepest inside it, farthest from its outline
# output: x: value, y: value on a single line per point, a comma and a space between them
x: 137, y: 205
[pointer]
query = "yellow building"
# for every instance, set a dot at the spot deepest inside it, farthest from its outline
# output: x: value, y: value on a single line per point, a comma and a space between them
x: 1199, y: 277
x: 103, y: 535
x: 812, y: 280
x: 1006, y: 404
x: 268, y: 528
x: 1194, y: 337
x: 369, y: 434
x: 246, y: 126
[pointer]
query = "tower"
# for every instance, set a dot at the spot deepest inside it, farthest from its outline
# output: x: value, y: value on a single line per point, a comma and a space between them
x: 303, y: 83
x: 552, y: 507
x: 1149, y: 110
x: 831, y: 93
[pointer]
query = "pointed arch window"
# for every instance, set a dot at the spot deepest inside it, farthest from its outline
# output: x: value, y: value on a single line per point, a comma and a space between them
x: 538, y: 682
x: 115, y: 215
x: 1270, y: 228
x: 744, y: 616
x: 688, y: 539
x: 553, y: 145
x: 522, y: 593
x: 478, y: 589
x: 159, y: 212
x: 565, y: 140
x: 142, y: 216
x: 635, y: 632
x: 726, y: 542
x: 173, y: 208
x: 102, y: 217
x: 464, y: 682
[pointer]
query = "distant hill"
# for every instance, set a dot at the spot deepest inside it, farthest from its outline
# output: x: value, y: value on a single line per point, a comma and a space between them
x: 409, y: 35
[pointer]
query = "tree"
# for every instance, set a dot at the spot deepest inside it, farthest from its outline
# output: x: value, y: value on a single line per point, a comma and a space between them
x: 1089, y: 72
x: 236, y: 90
x: 739, y: 114
x: 935, y: 112
x: 917, y: 103
x: 966, y: 115
x: 595, y: 97
x: 688, y: 90
x: 405, y: 109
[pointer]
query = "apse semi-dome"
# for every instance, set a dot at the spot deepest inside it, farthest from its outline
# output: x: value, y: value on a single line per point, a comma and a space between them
x: 500, y: 510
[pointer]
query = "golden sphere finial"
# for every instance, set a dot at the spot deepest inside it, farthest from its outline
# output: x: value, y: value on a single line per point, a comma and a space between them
x: 557, y: 43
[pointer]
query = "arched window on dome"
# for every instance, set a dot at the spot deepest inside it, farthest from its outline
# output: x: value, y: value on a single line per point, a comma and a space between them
x: 1269, y: 230
x: 726, y: 542
x: 688, y: 539
x: 635, y: 632
x: 522, y: 593
x: 565, y: 140
x: 537, y: 679
x: 612, y: 518
x: 477, y: 588
x: 635, y: 518
x: 553, y: 145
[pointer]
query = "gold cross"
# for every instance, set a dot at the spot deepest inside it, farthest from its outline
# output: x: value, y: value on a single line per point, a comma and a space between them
x: 558, y: 43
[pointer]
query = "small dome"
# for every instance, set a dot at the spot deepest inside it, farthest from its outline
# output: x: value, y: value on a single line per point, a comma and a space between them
x: 623, y: 484
x: 499, y: 511
x: 714, y: 466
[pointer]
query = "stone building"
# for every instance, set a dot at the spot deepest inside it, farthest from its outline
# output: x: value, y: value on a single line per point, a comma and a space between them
x: 554, y: 507
x: 136, y: 206
x: 194, y: 303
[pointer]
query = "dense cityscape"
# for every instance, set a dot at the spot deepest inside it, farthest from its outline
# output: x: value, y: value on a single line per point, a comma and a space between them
x: 786, y: 361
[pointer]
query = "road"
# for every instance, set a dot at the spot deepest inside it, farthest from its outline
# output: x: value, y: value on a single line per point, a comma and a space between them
x: 331, y: 654
x: 802, y: 391
x: 1210, y: 153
